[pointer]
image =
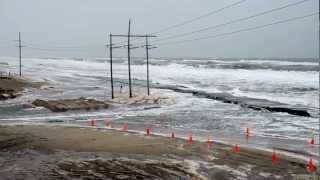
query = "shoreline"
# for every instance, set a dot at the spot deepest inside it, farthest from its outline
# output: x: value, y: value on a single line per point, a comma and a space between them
x: 51, y: 141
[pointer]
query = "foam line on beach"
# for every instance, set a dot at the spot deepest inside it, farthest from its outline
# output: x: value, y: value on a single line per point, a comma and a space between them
x: 252, y: 103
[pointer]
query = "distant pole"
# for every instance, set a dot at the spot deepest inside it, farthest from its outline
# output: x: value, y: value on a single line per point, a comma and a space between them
x: 111, y: 72
x: 129, y: 69
x: 20, y: 54
x: 147, y: 54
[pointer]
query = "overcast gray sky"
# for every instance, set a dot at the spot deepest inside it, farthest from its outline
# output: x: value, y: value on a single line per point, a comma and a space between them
x: 79, y: 28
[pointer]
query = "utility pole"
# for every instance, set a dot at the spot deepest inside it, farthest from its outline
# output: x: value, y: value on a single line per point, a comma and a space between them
x: 20, y: 54
x: 148, y: 47
x: 111, y: 47
x: 111, y: 72
x: 147, y: 54
x: 129, y: 67
x: 319, y: 91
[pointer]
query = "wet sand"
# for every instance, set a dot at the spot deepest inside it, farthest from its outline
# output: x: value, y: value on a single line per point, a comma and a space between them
x: 11, y: 87
x: 17, y: 84
x: 56, y: 152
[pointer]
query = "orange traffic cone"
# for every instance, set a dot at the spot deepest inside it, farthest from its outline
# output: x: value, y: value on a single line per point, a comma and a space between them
x: 125, y: 126
x: 107, y: 124
x: 236, y: 148
x: 190, y: 141
x: 148, y: 131
x: 275, y: 157
x: 311, y: 166
x: 209, y: 142
x: 173, y: 135
x: 93, y: 123
x: 312, y: 141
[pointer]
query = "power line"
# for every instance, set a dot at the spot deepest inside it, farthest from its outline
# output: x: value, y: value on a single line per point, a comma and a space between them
x: 241, y: 30
x: 6, y: 46
x: 5, y: 40
x: 59, y: 46
x: 56, y: 47
x: 55, y: 50
x: 193, y: 19
x: 233, y: 21
x: 200, y: 17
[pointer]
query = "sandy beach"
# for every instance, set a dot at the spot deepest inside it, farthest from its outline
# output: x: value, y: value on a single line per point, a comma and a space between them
x: 56, y: 152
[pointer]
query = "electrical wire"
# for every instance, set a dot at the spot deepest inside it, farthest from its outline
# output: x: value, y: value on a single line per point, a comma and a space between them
x: 192, y: 19
x: 199, y: 17
x: 57, y: 47
x: 242, y: 30
x: 232, y: 22
x: 56, y: 50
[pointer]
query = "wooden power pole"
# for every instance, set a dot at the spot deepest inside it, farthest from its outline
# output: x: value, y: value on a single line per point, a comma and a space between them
x: 20, y: 54
x: 111, y: 47
x: 148, y: 47
x: 147, y: 56
x: 111, y: 72
x: 129, y: 67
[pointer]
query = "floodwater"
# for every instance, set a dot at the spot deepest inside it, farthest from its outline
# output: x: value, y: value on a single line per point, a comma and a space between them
x: 294, y: 82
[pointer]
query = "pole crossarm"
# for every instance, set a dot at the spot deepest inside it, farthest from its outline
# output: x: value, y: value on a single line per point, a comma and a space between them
x: 152, y: 48
x: 108, y: 45
x: 117, y: 47
x: 136, y: 47
x: 133, y: 35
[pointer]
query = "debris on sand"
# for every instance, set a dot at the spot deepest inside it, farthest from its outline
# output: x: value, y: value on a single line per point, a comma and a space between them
x: 124, y: 169
x: 71, y: 104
